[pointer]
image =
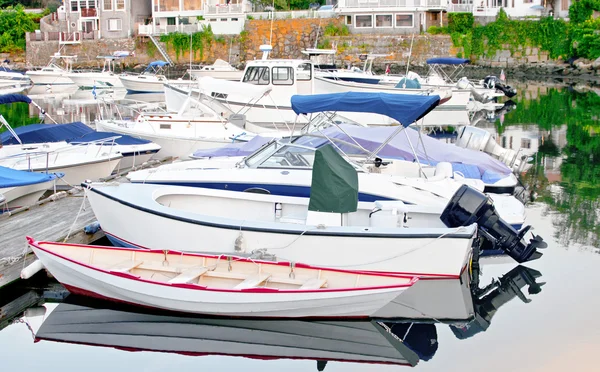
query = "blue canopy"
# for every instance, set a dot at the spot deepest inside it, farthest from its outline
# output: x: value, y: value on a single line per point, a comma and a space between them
x: 447, y: 61
x: 71, y: 132
x: 405, y: 108
x: 12, y: 98
x: 156, y: 64
x: 14, y: 178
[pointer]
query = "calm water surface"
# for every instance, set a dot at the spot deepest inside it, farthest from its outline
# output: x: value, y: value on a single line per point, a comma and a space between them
x: 557, y: 329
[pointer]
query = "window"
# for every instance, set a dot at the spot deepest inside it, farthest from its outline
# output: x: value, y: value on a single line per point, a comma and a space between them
x: 363, y: 21
x: 223, y: 19
x: 525, y: 143
x: 404, y: 20
x: 434, y: 16
x: 257, y: 76
x: 114, y: 24
x: 171, y: 21
x: 304, y: 72
x: 282, y: 76
x: 107, y: 5
x: 234, y: 19
x: 348, y: 20
x: 120, y: 4
x: 74, y: 6
x: 383, y: 20
x: 564, y: 4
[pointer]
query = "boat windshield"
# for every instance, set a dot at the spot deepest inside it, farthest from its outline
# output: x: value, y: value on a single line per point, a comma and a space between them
x: 299, y: 152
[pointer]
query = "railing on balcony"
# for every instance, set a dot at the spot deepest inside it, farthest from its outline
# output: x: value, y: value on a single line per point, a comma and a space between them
x: 222, y: 9
x: 460, y: 8
x: 87, y: 12
x: 437, y: 4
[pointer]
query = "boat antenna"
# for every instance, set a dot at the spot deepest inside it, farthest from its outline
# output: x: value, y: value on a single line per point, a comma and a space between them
x: 408, y: 61
x: 272, y: 19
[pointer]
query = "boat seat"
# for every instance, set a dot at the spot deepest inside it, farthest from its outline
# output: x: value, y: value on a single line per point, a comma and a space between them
x: 253, y: 281
x: 125, y: 266
x: 314, y: 284
x: 188, y: 275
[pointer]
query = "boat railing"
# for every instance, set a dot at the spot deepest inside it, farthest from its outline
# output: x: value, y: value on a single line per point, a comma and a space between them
x: 51, y: 156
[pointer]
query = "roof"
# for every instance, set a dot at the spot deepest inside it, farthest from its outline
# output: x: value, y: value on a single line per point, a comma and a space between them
x: 405, y: 108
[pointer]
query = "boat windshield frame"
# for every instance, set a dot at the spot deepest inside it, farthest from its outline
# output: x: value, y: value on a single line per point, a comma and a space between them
x: 269, y: 150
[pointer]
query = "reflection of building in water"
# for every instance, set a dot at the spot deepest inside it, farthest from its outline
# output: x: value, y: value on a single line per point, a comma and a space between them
x: 64, y: 105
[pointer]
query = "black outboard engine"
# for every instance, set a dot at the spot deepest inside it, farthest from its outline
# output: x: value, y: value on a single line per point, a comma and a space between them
x: 488, y: 300
x: 468, y: 206
x: 492, y: 82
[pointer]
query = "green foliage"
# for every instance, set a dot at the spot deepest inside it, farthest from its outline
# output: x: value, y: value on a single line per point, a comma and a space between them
x: 585, y: 39
x: 580, y: 11
x: 324, y: 43
x: 300, y: 4
x: 336, y: 30
x: 14, y: 23
x: 460, y: 22
x: 200, y: 18
x: 181, y: 42
x: 437, y: 30
x: 249, y: 17
x: 17, y: 114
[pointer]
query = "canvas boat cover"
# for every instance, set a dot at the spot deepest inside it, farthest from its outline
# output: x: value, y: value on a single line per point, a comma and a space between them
x: 14, y: 178
x: 410, y: 83
x: 12, y: 98
x: 466, y: 161
x: 334, y: 186
x: 76, y: 132
x: 405, y: 108
x: 447, y: 61
x: 234, y: 149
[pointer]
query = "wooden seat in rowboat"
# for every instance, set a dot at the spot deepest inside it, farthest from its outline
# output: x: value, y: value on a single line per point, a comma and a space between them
x: 125, y: 266
x: 189, y: 275
x: 314, y: 284
x: 253, y: 281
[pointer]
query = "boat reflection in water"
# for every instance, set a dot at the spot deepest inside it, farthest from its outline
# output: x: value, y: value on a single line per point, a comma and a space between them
x: 91, y: 322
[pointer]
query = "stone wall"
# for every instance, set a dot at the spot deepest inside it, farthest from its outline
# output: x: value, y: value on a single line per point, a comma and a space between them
x: 506, y: 58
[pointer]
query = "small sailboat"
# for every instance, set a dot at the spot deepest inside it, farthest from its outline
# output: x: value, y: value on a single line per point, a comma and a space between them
x: 219, y: 285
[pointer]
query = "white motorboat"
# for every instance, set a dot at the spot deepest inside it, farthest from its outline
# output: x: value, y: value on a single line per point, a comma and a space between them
x: 217, y: 285
x: 106, y: 78
x: 272, y: 105
x: 52, y: 74
x: 284, y: 167
x: 179, y: 134
x: 149, y: 81
x: 21, y: 188
x: 134, y: 151
x: 9, y: 75
x: 218, y: 70
x: 78, y: 163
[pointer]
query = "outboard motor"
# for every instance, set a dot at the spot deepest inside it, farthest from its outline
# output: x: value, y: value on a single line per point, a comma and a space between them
x: 468, y: 206
x: 492, y: 82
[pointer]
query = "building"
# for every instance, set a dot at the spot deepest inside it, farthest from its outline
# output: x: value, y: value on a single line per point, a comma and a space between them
x: 392, y: 16
x: 95, y: 19
x: 488, y: 9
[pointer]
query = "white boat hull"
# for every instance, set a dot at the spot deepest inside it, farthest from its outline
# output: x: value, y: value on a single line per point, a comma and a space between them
x: 46, y: 78
x: 142, y: 83
x: 87, y: 280
x: 22, y: 196
x: 95, y: 80
x: 224, y: 75
x: 410, y: 250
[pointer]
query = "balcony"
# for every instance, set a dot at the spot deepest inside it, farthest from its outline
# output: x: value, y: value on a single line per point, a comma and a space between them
x: 222, y: 9
x: 88, y: 13
x: 409, y: 4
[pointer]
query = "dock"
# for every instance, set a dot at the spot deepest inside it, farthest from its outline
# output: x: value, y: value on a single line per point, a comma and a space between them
x: 55, y: 218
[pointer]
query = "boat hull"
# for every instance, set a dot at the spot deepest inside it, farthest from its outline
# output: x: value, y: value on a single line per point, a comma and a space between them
x: 148, y: 84
x: 157, y: 227
x: 95, y: 80
x: 85, y: 280
x: 22, y: 196
x: 49, y: 79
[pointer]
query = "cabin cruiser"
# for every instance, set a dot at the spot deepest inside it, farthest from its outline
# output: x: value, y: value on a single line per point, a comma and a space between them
x: 283, y: 78
x: 218, y: 70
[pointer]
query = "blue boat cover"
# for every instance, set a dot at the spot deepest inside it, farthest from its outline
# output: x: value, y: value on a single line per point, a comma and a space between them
x: 13, y: 178
x: 71, y: 132
x: 12, y: 98
x: 471, y: 163
x: 447, y: 61
x: 405, y: 108
x: 234, y: 149
x: 156, y: 64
